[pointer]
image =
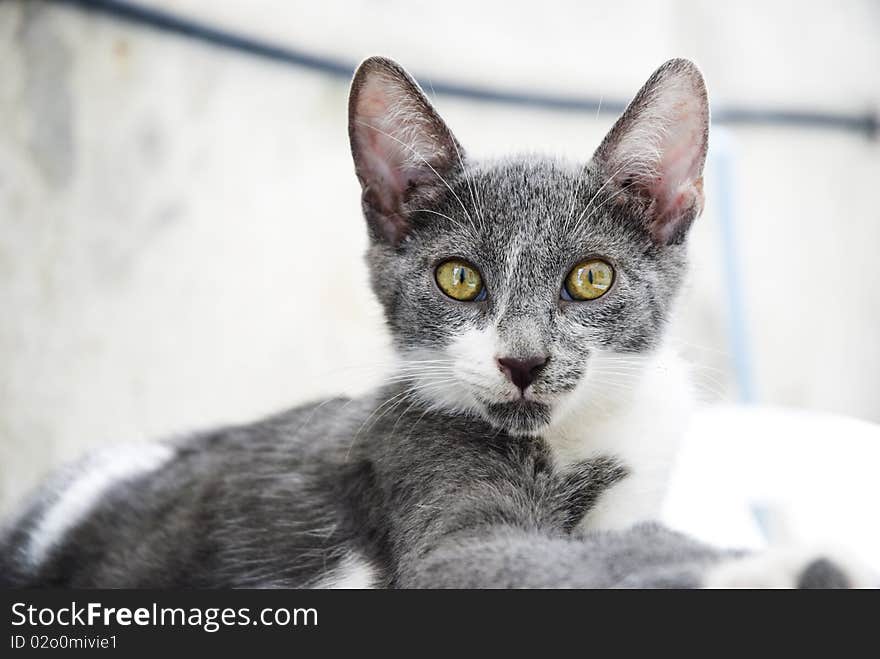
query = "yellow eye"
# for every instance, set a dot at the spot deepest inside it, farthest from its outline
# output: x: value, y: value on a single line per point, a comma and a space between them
x: 588, y: 280
x: 460, y: 281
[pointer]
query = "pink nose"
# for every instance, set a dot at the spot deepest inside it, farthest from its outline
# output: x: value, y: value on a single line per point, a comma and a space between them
x: 522, y: 372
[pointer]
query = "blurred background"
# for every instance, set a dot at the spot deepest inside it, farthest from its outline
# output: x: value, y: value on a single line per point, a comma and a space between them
x: 162, y: 201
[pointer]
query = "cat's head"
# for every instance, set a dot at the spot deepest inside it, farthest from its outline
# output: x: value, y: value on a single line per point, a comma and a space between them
x: 513, y: 288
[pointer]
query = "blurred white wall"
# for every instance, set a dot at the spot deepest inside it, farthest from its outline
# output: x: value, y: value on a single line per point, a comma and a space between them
x: 180, y: 237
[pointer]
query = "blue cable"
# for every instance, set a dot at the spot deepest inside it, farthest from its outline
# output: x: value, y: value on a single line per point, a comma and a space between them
x: 867, y: 124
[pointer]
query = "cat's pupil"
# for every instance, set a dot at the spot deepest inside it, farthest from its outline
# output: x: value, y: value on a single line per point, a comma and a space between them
x: 590, y: 275
x: 461, y: 275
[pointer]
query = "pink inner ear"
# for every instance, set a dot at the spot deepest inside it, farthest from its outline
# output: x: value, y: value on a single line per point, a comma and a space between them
x: 396, y: 135
x: 658, y: 147
x: 383, y: 157
x: 399, y: 144
x: 381, y: 160
x: 660, y: 150
x: 677, y: 188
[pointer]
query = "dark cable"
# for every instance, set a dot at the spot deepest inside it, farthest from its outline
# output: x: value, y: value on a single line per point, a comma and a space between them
x: 866, y: 123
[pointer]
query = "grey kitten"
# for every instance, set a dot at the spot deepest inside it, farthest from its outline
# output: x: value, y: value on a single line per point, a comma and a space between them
x: 511, y: 290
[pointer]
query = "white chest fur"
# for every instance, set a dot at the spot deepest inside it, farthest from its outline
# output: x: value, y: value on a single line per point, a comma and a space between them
x: 634, y: 410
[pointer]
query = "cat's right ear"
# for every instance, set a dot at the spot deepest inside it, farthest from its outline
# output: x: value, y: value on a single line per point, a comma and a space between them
x: 402, y: 149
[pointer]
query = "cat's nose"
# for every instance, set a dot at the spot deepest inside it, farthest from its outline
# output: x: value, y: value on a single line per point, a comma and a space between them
x: 522, y: 372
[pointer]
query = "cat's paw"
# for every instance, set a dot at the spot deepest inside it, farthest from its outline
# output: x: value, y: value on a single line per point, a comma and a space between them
x: 791, y: 568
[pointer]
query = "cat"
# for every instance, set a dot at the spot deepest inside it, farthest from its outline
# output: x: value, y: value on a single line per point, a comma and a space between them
x: 526, y: 436
x: 598, y: 378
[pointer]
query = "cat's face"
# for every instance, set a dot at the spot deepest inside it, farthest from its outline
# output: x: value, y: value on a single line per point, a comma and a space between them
x: 514, y: 289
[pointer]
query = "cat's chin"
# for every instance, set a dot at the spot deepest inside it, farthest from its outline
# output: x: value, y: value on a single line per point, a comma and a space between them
x: 522, y: 418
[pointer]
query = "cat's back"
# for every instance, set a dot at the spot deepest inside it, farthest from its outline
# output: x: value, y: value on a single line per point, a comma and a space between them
x: 108, y: 518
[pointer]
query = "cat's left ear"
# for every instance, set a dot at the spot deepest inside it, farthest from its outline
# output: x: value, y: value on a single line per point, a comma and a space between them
x: 657, y: 149
x: 403, y: 151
